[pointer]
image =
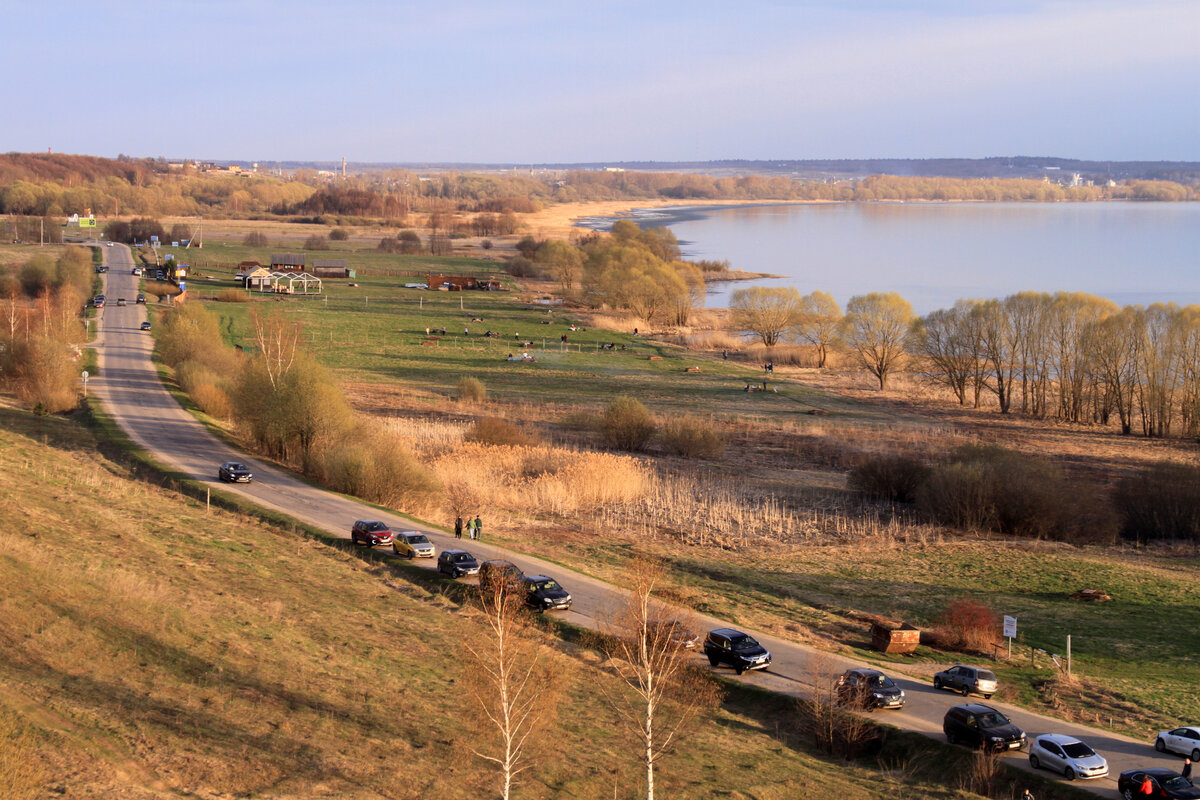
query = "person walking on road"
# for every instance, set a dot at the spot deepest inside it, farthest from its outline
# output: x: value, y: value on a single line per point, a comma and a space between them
x: 478, y: 528
x: 458, y: 528
x: 470, y: 528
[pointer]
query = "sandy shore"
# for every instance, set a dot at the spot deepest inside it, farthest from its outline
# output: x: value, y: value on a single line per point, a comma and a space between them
x: 558, y: 221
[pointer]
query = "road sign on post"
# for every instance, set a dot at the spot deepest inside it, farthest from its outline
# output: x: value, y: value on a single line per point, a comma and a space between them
x: 1010, y: 631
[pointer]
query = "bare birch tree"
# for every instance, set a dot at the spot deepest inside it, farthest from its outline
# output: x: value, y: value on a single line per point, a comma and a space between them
x: 512, y: 682
x: 649, y: 641
x: 278, y: 341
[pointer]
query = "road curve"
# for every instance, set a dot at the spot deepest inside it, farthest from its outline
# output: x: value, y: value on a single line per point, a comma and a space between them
x: 130, y: 391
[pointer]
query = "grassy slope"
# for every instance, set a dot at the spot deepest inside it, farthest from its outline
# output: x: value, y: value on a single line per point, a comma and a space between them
x: 158, y: 651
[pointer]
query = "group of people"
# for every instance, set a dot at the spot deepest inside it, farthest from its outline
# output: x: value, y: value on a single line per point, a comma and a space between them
x: 474, y: 528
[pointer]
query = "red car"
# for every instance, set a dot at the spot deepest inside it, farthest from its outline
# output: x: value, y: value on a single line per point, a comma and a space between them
x: 370, y: 532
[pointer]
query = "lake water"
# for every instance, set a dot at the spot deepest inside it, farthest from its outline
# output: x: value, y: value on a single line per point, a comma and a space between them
x: 936, y: 253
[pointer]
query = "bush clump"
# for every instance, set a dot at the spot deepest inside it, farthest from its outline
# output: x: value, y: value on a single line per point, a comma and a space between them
x: 339, y: 235
x: 213, y: 400
x: 232, y: 296
x: 1162, y: 502
x: 377, y: 467
x: 316, y: 242
x: 894, y: 478
x: 626, y: 424
x: 691, y: 437
x: 520, y: 267
x: 968, y: 625
x: 471, y: 390
x: 255, y: 239
x: 990, y: 488
x: 491, y: 430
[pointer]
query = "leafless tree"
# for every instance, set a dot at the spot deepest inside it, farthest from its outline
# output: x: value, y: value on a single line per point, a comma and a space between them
x: 512, y: 681
x: 648, y: 643
x: 278, y: 342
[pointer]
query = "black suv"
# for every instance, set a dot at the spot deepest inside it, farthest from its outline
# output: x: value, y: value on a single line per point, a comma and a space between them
x: 868, y: 688
x: 457, y: 563
x: 735, y: 649
x: 496, y: 571
x: 544, y: 594
x: 234, y: 472
x: 981, y: 726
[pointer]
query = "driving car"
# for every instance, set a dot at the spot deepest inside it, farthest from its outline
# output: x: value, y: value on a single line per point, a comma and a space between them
x: 981, y: 726
x: 735, y: 649
x: 1185, y: 741
x: 230, y: 471
x: 1163, y: 783
x: 965, y: 680
x: 869, y: 689
x: 141, y: 298
x: 110, y: 244
x: 121, y: 302
x: 146, y: 326
x: 412, y: 544
x: 496, y: 572
x: 457, y: 563
x: 1067, y: 756
x: 370, y: 532
x: 545, y: 594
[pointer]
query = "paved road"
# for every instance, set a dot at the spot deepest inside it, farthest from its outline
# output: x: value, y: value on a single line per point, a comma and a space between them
x: 131, y: 393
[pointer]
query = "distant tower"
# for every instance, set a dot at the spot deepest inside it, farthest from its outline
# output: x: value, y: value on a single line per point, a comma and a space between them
x: 343, y: 167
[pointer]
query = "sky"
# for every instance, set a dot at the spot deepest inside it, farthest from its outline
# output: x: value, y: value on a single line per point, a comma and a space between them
x: 524, y: 81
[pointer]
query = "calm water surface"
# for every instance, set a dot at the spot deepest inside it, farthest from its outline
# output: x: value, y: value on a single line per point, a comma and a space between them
x: 936, y: 253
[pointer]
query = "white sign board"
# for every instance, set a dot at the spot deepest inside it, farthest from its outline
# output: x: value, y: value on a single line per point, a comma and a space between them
x: 1010, y: 627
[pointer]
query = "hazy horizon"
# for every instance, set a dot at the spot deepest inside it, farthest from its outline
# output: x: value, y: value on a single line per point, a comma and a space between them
x: 469, y: 82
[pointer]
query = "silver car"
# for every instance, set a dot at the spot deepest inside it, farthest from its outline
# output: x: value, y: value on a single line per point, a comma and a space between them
x: 1185, y: 741
x: 966, y: 680
x: 1067, y: 756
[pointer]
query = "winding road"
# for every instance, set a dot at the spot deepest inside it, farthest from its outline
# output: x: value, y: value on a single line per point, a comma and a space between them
x: 131, y: 393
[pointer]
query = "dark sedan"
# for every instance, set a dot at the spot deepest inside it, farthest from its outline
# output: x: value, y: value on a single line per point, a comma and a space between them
x: 230, y: 471
x: 1163, y: 783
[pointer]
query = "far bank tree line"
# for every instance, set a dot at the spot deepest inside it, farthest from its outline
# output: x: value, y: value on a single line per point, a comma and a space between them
x: 1068, y: 355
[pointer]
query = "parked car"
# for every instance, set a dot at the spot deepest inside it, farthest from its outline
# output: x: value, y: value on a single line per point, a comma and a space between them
x: 868, y: 688
x: 1163, y: 783
x: 677, y: 633
x: 457, y: 563
x: 735, y: 649
x: 160, y: 274
x: 966, y: 680
x: 412, y: 544
x: 545, y: 594
x: 981, y: 726
x: 370, y: 532
x: 1067, y: 756
x: 110, y: 244
x: 141, y: 298
x: 121, y: 302
x: 1185, y: 741
x: 146, y: 326
x: 496, y: 571
x: 137, y: 271
x: 230, y: 471
x: 98, y: 301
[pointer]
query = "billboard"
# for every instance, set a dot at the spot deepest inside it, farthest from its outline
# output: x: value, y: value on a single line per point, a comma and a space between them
x: 87, y: 222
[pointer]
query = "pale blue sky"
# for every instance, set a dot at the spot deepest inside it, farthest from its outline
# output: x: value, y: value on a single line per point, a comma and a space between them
x: 524, y: 81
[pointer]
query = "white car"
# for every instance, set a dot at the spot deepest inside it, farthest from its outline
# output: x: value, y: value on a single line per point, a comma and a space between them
x: 1185, y: 740
x: 1067, y: 756
x: 110, y: 244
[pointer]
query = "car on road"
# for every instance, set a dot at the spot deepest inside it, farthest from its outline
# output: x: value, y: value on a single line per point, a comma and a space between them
x: 110, y: 244
x: 98, y: 301
x: 145, y: 326
x: 230, y: 471
x: 137, y: 271
x: 861, y: 687
x: 121, y: 302
x: 981, y: 726
x: 496, y: 573
x: 160, y: 274
x: 676, y: 633
x: 1185, y: 741
x: 1067, y: 756
x: 735, y: 649
x: 412, y: 544
x: 966, y: 680
x: 1163, y: 783
x: 545, y: 594
x: 101, y: 268
x: 457, y: 563
x: 370, y: 532
x: 141, y: 298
